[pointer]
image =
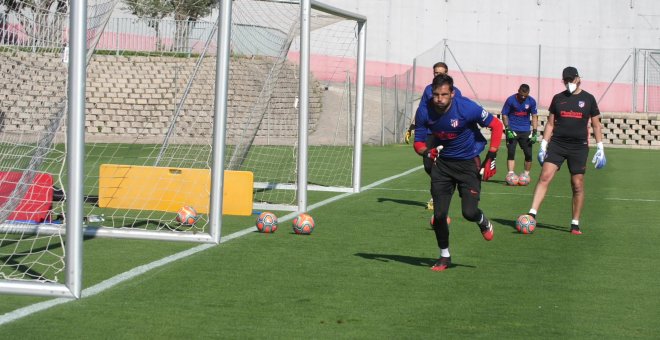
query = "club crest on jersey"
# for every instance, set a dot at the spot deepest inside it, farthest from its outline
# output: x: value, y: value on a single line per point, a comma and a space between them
x: 453, y: 123
x: 484, y: 114
x: 526, y: 106
x: 581, y: 103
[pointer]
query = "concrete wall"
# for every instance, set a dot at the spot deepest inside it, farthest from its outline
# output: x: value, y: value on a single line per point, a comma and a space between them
x: 399, y: 30
x: 133, y: 99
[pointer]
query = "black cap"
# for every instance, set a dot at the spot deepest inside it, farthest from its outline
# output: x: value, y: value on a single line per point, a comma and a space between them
x: 570, y: 73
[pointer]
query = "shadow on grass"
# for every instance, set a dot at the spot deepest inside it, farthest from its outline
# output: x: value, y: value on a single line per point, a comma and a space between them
x: 406, y: 202
x: 495, y: 181
x: 411, y: 260
x: 512, y: 224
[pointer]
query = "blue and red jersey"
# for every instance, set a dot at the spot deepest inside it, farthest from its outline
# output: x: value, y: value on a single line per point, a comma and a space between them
x: 519, y: 114
x: 457, y: 130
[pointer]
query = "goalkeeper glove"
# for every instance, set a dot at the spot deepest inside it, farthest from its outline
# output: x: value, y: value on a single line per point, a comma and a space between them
x: 599, y: 160
x: 410, y: 133
x: 433, y: 153
x: 534, y: 137
x: 543, y: 151
x: 488, y: 168
x: 510, y: 134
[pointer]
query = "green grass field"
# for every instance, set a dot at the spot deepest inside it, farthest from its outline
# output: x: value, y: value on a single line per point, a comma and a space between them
x: 364, y: 272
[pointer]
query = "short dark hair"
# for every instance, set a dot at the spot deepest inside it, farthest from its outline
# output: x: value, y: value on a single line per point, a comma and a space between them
x: 441, y: 64
x: 442, y: 79
x: 524, y: 88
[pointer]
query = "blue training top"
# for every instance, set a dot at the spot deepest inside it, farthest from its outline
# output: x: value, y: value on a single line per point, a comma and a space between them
x: 519, y: 113
x: 457, y: 130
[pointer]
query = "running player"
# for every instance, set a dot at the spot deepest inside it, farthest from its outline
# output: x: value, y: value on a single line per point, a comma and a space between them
x: 454, y: 151
x: 566, y: 139
x: 438, y: 68
x: 516, y: 114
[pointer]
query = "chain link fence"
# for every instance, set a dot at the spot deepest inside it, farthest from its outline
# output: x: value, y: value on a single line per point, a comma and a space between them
x: 624, y: 81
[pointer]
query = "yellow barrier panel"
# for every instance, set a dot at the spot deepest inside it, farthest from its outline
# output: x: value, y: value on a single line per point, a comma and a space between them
x: 168, y: 189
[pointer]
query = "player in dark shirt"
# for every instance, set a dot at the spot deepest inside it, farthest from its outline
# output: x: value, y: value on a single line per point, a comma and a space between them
x: 454, y: 123
x: 422, y: 112
x: 516, y: 114
x: 566, y: 139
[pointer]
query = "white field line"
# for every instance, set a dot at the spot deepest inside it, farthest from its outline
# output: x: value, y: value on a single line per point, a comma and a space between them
x: 128, y: 275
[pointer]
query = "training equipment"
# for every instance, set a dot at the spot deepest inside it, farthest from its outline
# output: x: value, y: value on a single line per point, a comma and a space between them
x: 510, y: 134
x: 187, y: 216
x: 599, y: 159
x: 266, y: 222
x: 523, y: 179
x: 534, y: 137
x: 511, y: 179
x: 488, y: 167
x: 35, y: 205
x: 542, y: 151
x: 303, y: 224
x: 434, y: 152
x: 168, y: 188
x: 525, y: 224
x: 410, y: 133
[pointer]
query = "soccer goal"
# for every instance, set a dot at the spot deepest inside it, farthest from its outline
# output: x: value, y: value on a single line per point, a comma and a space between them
x: 169, y: 114
x: 301, y: 131
x: 37, y: 255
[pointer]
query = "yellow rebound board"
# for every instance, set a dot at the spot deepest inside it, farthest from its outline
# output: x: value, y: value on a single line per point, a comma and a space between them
x: 168, y: 189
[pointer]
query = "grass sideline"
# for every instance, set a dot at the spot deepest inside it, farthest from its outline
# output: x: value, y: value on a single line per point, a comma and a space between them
x: 364, y: 272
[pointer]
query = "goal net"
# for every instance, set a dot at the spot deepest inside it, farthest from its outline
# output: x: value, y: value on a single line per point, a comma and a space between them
x: 33, y: 105
x: 265, y: 139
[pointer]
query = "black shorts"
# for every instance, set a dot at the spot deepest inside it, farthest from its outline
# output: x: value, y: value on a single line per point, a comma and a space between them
x: 575, y: 154
x: 522, y: 139
x: 446, y: 175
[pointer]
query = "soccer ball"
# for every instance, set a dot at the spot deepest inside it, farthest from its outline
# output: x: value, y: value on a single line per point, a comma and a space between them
x: 187, y: 215
x: 523, y: 179
x: 267, y: 222
x: 303, y: 224
x: 525, y: 224
x: 433, y: 220
x: 511, y: 179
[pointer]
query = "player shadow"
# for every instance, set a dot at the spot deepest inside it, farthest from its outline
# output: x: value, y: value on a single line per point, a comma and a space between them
x: 411, y: 260
x: 512, y: 224
x: 496, y: 181
x: 406, y: 202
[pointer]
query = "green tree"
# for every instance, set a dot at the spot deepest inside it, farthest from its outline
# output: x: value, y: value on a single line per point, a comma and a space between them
x: 184, y: 12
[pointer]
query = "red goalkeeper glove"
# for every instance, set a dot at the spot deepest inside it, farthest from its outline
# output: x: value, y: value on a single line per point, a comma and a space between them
x: 488, y: 168
x: 432, y: 153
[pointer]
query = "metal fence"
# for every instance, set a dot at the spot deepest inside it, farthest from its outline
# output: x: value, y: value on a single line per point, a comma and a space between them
x: 119, y: 35
x: 396, y: 106
x: 622, y: 80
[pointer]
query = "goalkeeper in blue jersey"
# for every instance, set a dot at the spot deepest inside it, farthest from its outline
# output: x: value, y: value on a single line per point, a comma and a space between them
x: 438, y: 68
x: 516, y: 114
x: 566, y: 138
x: 454, y: 151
